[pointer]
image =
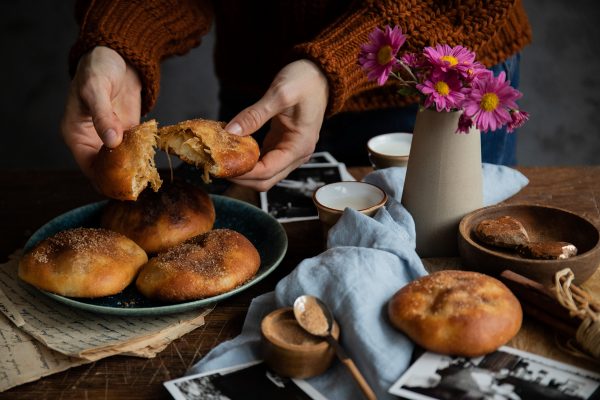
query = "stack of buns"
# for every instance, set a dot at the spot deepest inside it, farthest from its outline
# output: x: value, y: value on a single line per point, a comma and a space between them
x: 173, y: 223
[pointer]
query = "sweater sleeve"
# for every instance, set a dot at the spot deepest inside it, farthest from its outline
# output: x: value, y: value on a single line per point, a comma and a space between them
x: 144, y: 32
x: 495, y: 29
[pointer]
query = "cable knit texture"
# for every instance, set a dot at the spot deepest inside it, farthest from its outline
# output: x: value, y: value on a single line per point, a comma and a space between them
x: 253, y: 42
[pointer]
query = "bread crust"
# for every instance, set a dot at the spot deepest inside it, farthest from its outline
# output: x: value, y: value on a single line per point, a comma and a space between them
x: 163, y: 219
x: 83, y: 262
x: 505, y: 231
x: 206, y: 144
x: 456, y: 312
x: 549, y: 250
x: 206, y: 265
x: 124, y: 172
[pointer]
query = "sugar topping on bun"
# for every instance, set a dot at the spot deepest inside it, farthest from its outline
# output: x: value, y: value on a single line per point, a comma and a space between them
x: 459, y: 313
x: 505, y: 231
x: 83, y: 262
x: 206, y: 265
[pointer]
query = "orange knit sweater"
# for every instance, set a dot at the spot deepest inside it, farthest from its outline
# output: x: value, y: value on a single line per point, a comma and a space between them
x: 257, y: 38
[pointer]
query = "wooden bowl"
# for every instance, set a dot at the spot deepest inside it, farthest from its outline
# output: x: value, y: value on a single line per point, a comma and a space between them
x: 289, y: 350
x: 542, y: 223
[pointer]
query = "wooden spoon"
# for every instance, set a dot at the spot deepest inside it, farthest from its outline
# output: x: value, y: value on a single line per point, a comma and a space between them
x: 315, y: 317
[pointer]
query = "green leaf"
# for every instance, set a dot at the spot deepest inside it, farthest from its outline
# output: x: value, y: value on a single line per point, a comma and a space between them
x: 407, y: 91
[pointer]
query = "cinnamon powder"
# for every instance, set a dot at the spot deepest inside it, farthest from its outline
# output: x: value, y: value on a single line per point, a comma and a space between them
x: 286, y: 329
x: 313, y: 318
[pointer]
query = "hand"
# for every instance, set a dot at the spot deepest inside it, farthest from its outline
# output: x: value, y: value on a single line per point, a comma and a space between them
x: 104, y: 99
x: 295, y: 102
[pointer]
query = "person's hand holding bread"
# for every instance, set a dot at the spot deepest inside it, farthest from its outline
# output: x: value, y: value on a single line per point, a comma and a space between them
x: 104, y: 100
x: 295, y: 104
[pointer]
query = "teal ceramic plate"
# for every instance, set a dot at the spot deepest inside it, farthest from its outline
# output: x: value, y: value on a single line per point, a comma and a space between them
x: 267, y: 235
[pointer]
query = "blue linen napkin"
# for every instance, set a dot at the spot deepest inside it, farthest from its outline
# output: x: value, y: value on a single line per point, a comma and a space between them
x: 367, y: 261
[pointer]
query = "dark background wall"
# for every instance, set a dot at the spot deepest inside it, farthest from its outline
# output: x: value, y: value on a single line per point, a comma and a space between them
x: 560, y: 80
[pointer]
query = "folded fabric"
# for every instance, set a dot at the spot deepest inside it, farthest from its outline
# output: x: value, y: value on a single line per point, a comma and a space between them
x: 499, y: 182
x: 367, y: 261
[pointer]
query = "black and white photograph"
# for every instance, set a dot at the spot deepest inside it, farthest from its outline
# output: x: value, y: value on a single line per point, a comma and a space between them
x: 247, y: 381
x: 291, y: 199
x: 506, y: 374
x: 321, y: 157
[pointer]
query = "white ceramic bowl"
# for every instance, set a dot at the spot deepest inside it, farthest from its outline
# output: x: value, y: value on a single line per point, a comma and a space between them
x: 389, y: 149
x: 333, y: 198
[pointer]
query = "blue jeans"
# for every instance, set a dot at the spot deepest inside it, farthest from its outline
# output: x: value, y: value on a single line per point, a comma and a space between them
x: 345, y: 135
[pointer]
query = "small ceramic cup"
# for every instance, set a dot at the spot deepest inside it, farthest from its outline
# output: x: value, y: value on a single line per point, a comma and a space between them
x: 389, y: 150
x: 333, y: 198
x: 291, y: 351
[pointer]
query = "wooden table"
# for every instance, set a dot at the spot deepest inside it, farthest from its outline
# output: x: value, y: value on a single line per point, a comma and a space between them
x: 29, y: 199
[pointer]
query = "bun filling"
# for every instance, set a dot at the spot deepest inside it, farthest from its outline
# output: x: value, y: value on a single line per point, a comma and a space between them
x: 146, y: 172
x: 190, y: 148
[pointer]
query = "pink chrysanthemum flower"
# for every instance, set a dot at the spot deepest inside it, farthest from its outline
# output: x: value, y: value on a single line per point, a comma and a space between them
x: 412, y: 60
x: 378, y: 57
x: 489, y: 100
x: 476, y: 71
x: 448, y: 58
x: 464, y: 124
x: 443, y: 90
x: 518, y: 119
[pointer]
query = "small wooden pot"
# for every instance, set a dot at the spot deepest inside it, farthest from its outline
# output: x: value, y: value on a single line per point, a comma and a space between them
x: 292, y: 352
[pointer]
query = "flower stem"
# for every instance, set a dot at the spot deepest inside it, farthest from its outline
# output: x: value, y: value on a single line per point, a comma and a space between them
x: 403, y: 81
x: 407, y: 69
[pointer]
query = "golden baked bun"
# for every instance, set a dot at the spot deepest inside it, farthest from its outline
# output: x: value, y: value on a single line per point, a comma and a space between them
x: 123, y: 172
x: 206, y: 265
x: 83, y: 262
x: 207, y: 145
x: 459, y: 313
x: 163, y: 219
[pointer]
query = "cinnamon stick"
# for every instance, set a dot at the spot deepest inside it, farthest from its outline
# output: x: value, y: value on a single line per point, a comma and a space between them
x: 557, y: 324
x: 539, y: 302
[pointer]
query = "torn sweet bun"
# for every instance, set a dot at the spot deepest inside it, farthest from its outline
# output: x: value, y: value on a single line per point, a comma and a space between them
x: 124, y: 172
x: 83, y: 262
x: 207, y: 145
x: 206, y: 265
x: 159, y: 220
x: 505, y: 231
x: 549, y: 250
